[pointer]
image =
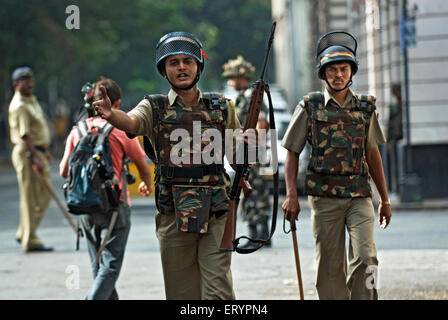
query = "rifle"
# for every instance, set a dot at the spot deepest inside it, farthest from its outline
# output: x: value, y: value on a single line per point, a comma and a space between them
x: 228, y: 242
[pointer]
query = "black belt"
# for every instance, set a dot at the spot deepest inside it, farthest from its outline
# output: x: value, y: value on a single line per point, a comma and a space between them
x: 191, y: 172
x: 41, y: 149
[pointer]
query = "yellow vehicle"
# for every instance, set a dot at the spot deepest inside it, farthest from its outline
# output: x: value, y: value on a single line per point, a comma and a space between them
x: 133, y: 188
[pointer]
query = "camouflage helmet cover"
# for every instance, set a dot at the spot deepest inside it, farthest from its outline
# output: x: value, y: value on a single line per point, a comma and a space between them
x: 238, y: 68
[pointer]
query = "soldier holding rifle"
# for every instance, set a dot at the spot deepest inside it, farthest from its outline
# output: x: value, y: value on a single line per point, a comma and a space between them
x: 229, y: 240
x: 191, y: 197
x: 256, y: 208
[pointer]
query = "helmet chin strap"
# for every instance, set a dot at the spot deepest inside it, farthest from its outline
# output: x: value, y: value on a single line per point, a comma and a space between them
x: 349, y: 83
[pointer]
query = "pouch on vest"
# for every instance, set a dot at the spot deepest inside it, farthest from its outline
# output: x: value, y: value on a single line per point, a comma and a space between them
x: 192, y: 208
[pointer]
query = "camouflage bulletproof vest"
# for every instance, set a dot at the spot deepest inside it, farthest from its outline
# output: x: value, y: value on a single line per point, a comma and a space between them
x: 242, y: 103
x: 338, y: 136
x: 194, y: 121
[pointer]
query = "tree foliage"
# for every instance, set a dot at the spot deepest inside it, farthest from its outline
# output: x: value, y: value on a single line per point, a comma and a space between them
x: 117, y: 39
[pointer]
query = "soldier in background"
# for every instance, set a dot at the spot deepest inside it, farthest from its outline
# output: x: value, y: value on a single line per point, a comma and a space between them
x: 394, y: 134
x: 30, y: 135
x: 256, y: 208
x: 343, y: 131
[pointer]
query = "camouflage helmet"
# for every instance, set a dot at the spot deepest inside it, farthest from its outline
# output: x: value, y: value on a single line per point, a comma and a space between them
x: 336, y: 46
x: 238, y: 68
x: 178, y: 43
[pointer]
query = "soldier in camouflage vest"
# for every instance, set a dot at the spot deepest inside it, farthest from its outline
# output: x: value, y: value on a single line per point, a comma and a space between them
x: 256, y: 209
x: 191, y: 182
x: 343, y: 131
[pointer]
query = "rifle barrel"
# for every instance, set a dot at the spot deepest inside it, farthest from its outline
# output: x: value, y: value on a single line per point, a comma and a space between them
x: 271, y: 39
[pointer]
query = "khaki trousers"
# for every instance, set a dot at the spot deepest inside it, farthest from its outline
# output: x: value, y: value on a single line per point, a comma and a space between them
x: 193, y: 266
x: 34, y: 197
x: 330, y: 219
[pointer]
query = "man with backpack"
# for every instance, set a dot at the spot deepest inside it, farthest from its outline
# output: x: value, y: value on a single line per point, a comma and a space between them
x: 104, y: 221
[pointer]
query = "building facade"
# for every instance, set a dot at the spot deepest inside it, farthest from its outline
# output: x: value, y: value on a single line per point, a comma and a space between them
x: 378, y: 27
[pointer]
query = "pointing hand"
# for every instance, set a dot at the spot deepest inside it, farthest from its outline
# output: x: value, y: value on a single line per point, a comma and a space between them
x: 103, y: 106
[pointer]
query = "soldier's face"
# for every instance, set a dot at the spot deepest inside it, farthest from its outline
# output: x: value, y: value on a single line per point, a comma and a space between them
x: 238, y: 83
x: 338, y: 74
x: 181, y: 70
x: 25, y: 86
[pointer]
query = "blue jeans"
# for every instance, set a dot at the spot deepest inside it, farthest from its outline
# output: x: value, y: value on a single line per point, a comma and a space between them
x: 106, y: 272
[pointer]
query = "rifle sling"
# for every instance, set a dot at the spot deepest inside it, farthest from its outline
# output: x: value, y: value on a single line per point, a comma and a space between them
x: 262, y: 242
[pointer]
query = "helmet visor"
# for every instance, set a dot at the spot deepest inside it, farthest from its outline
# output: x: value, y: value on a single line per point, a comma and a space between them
x: 337, y: 38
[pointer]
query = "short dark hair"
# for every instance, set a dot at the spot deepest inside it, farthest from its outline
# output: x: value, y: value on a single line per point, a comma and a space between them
x: 112, y: 88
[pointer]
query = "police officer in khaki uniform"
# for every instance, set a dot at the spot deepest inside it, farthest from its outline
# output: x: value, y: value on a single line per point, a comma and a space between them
x: 191, y: 195
x: 344, y: 134
x: 255, y: 209
x: 31, y: 138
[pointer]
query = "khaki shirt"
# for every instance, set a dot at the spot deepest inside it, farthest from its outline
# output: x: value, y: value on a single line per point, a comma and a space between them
x: 297, y: 132
x: 26, y: 117
x: 143, y: 112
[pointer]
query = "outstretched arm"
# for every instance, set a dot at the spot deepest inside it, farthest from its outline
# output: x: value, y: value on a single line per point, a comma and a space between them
x: 115, y: 117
